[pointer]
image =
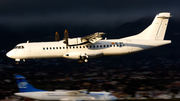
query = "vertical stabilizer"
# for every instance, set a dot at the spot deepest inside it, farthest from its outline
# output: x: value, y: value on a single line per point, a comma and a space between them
x: 156, y: 31
x: 24, y: 86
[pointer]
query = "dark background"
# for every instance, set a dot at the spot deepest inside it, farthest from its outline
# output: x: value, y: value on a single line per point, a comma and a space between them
x: 39, y: 20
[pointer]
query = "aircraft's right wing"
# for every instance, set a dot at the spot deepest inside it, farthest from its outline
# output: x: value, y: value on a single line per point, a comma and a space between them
x: 93, y: 37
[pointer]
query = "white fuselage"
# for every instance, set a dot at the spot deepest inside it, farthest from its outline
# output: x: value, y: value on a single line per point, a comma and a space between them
x: 101, y: 48
x: 92, y: 46
x: 65, y: 95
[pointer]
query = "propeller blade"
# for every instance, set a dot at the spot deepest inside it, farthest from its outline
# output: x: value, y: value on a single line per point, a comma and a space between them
x: 56, y: 36
x: 66, y: 36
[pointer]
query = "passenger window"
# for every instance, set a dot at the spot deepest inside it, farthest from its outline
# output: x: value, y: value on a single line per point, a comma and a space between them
x: 101, y: 46
x: 50, y: 47
x: 86, y: 46
x: 83, y: 46
x: 63, y: 47
x: 59, y: 47
x: 43, y: 48
x: 79, y: 46
x: 53, y: 47
x: 47, y: 48
x: 93, y: 46
x: 97, y: 46
x: 104, y: 45
x: 56, y: 47
x: 107, y: 45
x: 76, y: 46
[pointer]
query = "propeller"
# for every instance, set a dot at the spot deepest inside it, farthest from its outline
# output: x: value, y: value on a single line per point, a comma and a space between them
x: 66, y: 36
x: 56, y: 36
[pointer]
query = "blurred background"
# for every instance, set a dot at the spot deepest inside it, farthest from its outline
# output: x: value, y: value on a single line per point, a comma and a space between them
x: 149, y: 74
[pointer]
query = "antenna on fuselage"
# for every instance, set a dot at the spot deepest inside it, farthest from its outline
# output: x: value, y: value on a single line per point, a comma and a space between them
x: 66, y: 36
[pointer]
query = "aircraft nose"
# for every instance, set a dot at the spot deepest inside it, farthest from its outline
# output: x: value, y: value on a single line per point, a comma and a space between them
x: 9, y: 54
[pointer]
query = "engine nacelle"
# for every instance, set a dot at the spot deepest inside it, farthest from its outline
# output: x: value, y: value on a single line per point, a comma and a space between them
x: 74, y: 41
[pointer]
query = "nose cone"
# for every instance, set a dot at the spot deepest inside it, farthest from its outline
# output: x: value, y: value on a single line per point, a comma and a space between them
x: 8, y: 54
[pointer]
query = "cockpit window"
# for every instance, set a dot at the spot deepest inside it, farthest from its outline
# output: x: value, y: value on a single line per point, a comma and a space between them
x: 19, y: 47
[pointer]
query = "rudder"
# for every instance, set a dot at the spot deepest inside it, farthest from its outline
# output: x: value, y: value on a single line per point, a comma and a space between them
x: 24, y: 86
x: 157, y: 29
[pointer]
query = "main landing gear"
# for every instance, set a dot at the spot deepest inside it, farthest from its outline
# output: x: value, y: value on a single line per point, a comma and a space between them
x: 83, y: 59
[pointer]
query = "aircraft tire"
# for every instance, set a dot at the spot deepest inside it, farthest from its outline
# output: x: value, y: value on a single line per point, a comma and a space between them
x: 85, y: 60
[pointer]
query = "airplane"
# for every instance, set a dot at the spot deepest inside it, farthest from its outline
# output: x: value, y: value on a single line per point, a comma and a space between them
x: 27, y: 90
x: 92, y: 46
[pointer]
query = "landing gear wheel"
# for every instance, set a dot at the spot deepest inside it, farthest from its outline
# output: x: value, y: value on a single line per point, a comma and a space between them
x: 85, y: 60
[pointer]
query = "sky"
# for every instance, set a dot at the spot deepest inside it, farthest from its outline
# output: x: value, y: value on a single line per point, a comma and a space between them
x: 82, y: 12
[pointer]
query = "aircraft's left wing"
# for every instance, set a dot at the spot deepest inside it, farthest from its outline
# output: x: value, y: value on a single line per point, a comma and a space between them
x: 93, y: 37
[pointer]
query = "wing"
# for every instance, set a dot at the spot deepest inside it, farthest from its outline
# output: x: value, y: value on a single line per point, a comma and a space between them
x: 93, y: 37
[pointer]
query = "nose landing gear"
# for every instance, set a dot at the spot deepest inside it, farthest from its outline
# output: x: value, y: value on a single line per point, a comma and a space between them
x: 17, y: 61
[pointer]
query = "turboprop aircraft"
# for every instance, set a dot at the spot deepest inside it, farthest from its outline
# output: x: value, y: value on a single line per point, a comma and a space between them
x: 92, y: 46
x: 27, y: 90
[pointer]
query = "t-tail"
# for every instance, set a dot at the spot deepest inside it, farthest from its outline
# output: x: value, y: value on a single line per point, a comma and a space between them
x: 24, y: 86
x: 156, y: 31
